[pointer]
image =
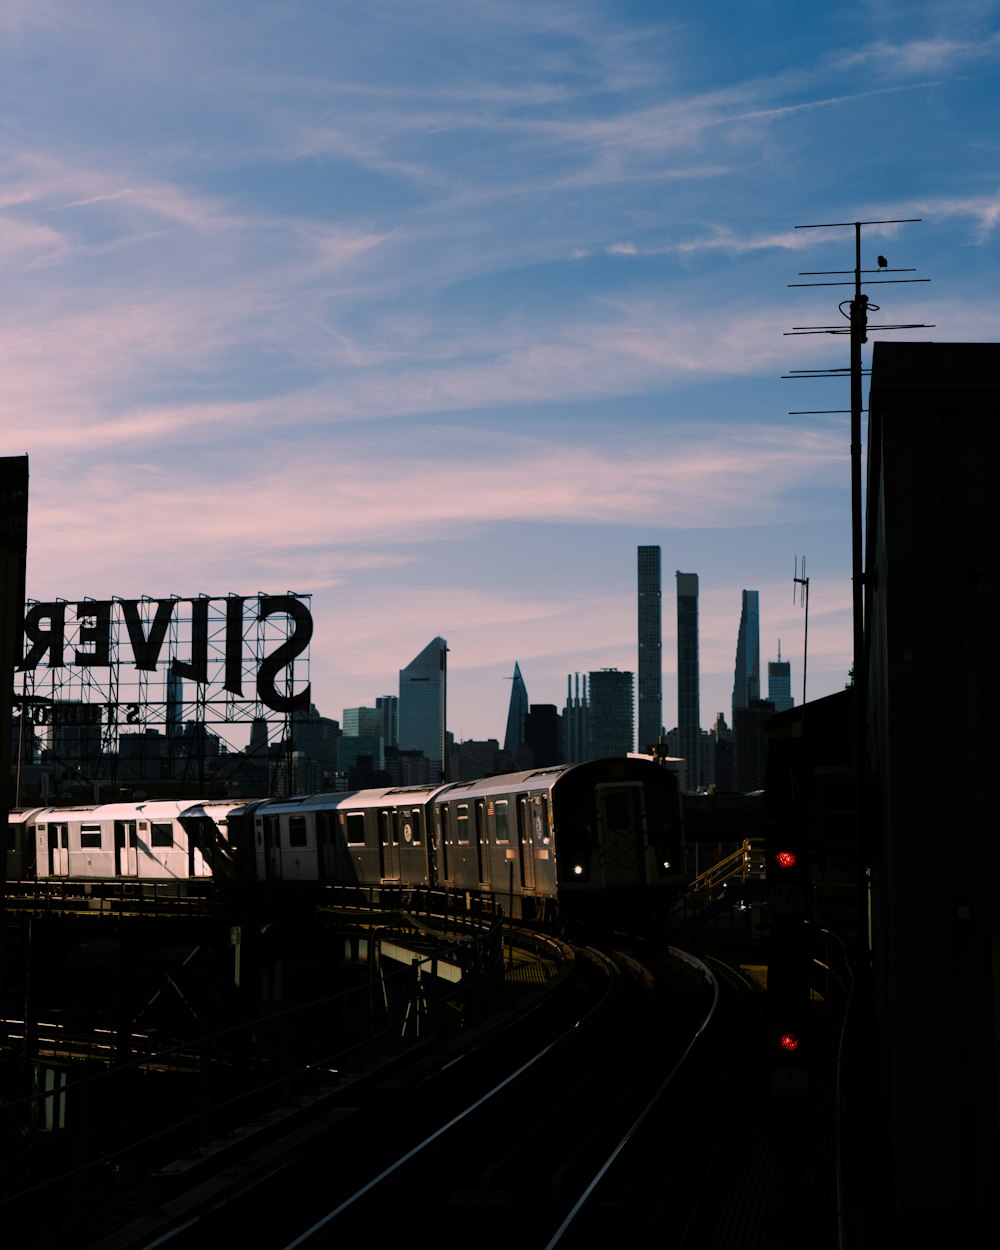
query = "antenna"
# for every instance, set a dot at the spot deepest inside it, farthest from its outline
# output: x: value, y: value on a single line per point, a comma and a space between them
x: 855, y: 312
x: 802, y: 581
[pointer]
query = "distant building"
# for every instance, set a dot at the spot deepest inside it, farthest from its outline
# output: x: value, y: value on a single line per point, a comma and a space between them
x: 724, y: 751
x: 388, y: 704
x: 688, y: 679
x: 422, y: 705
x: 751, y: 744
x: 611, y: 714
x: 516, y: 712
x: 543, y: 735
x: 575, y: 715
x: 746, y: 684
x: 779, y: 683
x: 477, y: 758
x: 650, y: 671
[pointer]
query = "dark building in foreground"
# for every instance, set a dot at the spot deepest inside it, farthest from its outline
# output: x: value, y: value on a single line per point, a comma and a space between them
x: 933, y: 689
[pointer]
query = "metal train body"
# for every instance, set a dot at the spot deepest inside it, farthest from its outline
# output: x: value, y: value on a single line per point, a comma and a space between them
x: 606, y: 828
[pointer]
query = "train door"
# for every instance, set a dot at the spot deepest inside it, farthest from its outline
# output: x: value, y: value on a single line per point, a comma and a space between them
x: 442, y: 831
x: 269, y: 841
x: 620, y: 832
x: 126, y: 849
x: 524, y: 842
x: 326, y: 846
x: 482, y: 856
x: 388, y: 845
x: 58, y: 850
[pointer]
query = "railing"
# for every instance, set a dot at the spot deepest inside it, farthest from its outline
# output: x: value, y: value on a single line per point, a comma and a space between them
x: 747, y: 861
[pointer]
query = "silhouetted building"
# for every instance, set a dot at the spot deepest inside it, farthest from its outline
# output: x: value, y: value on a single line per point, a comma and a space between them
x: 751, y: 744
x: 932, y: 600
x: 516, y: 712
x: 543, y: 735
x: 422, y: 705
x: 611, y: 714
x: 746, y: 685
x: 688, y: 679
x: 650, y: 672
x: 389, y: 706
x: 779, y: 683
x: 477, y: 758
x: 575, y: 714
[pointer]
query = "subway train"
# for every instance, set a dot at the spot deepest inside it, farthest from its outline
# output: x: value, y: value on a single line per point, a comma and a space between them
x: 549, y: 841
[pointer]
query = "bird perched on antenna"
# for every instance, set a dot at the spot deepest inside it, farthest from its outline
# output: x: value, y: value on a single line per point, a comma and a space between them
x: 882, y: 262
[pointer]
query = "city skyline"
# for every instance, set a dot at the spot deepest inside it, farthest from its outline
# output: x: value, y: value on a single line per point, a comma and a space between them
x: 437, y: 313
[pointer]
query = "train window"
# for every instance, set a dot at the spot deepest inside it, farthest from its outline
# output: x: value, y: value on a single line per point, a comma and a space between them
x: 161, y: 833
x: 296, y: 831
x: 503, y: 834
x: 462, y: 816
x: 618, y: 810
x: 90, y: 837
x: 411, y: 827
x: 356, y: 828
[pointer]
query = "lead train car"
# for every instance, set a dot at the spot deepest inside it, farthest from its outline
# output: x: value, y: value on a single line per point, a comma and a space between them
x: 607, y: 829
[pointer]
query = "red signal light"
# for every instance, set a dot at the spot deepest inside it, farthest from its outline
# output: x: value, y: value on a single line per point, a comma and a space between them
x: 789, y: 1043
x: 786, y: 859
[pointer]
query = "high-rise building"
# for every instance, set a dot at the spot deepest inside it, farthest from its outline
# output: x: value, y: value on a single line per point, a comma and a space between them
x: 389, y: 705
x: 516, y: 712
x: 779, y: 683
x: 688, y: 695
x: 575, y: 715
x: 650, y: 648
x: 746, y: 687
x: 611, y: 715
x: 423, y: 703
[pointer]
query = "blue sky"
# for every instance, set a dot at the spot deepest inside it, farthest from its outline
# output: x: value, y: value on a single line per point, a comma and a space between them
x: 436, y: 311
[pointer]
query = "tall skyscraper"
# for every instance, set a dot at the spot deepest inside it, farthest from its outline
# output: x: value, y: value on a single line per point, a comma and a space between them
x: 746, y: 687
x: 516, y: 712
x: 423, y: 705
x: 650, y: 648
x: 688, y: 693
x: 779, y: 683
x: 611, y: 715
x: 575, y: 715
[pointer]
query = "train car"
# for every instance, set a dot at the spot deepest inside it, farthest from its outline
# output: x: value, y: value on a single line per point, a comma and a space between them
x: 363, y: 837
x: 165, y: 840
x: 606, y: 830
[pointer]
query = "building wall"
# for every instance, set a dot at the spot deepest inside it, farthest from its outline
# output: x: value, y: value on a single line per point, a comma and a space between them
x: 933, y: 687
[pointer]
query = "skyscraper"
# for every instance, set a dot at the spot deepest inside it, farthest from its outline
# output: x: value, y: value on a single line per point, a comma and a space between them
x: 688, y: 694
x: 610, y: 717
x: 779, y: 683
x: 516, y: 712
x: 423, y: 704
x: 746, y: 687
x: 650, y: 648
x: 575, y: 715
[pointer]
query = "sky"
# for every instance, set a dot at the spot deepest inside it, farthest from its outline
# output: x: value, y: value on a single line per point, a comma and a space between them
x: 437, y: 311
